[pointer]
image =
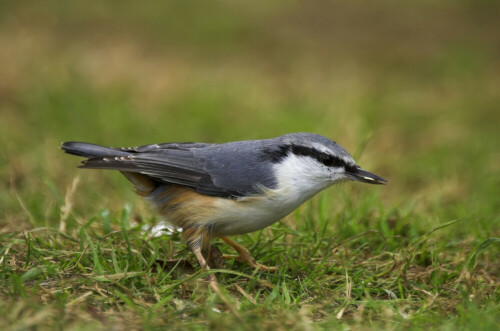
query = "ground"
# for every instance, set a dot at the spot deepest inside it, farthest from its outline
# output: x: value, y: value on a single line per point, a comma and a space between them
x: 411, y: 90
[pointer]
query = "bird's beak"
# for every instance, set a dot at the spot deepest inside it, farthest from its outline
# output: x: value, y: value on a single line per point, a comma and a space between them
x: 364, y: 176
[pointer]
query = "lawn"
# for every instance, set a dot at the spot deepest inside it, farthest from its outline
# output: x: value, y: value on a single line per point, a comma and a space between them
x: 411, y: 90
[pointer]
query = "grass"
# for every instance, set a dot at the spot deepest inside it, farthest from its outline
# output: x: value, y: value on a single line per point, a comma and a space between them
x: 410, y: 90
x: 106, y: 271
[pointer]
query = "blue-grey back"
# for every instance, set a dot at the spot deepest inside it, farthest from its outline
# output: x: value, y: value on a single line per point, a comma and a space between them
x: 237, y: 168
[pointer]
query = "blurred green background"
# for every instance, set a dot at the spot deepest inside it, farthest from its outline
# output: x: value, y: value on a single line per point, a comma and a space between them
x: 411, y: 89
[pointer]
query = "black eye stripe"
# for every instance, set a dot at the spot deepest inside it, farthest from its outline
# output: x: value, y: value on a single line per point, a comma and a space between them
x: 326, y: 159
x: 331, y: 161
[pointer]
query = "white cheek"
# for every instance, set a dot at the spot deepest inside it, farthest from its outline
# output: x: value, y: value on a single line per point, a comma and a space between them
x: 299, y: 178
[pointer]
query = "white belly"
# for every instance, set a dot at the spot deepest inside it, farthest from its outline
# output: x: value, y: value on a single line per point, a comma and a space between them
x: 254, y: 213
x: 240, y: 216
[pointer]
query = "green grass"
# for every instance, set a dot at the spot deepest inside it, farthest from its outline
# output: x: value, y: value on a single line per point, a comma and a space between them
x: 410, y: 90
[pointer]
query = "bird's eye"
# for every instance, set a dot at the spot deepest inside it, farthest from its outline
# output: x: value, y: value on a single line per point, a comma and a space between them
x: 328, y: 161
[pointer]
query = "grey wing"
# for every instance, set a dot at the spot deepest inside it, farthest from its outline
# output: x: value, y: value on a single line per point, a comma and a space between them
x: 210, y: 169
x: 238, y: 168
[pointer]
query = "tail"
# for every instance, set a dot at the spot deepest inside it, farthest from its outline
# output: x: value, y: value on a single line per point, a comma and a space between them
x: 144, y: 185
x: 91, y: 150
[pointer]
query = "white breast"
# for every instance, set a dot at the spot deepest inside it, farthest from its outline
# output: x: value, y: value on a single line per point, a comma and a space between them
x: 299, y: 178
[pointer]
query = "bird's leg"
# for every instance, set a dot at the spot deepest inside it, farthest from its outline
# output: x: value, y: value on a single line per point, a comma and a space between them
x: 195, y: 243
x: 244, y: 256
x: 195, y: 239
x: 212, y: 281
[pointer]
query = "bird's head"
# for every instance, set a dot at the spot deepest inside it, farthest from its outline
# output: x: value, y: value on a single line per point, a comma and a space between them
x: 313, y: 161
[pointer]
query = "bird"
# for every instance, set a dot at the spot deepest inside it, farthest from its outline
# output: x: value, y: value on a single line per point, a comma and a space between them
x: 212, y: 190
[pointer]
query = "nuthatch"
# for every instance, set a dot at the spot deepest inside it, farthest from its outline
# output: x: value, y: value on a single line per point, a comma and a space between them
x: 218, y: 190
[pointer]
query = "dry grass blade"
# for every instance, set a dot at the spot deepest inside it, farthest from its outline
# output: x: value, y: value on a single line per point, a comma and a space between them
x: 68, y: 204
x: 81, y: 298
x: 7, y: 250
x: 118, y: 276
x: 348, y: 289
x: 245, y: 294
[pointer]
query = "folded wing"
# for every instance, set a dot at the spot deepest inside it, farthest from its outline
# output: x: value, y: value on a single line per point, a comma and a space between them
x: 207, y: 168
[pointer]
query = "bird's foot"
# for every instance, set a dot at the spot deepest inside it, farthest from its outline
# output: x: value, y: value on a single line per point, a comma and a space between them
x: 248, y: 259
x: 244, y: 256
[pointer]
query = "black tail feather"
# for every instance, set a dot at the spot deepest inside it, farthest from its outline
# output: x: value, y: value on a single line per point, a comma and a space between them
x: 90, y: 150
